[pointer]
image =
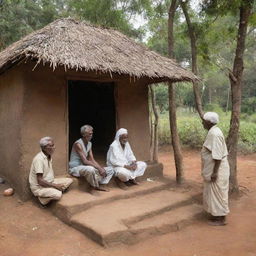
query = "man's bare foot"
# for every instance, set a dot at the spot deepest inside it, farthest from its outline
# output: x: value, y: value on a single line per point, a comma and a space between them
x: 102, y: 188
x: 94, y: 192
x: 120, y: 184
x: 134, y: 182
x: 217, y: 221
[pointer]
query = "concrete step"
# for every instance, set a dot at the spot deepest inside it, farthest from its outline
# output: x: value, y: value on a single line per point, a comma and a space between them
x: 170, y: 221
x: 127, y: 219
x: 75, y: 200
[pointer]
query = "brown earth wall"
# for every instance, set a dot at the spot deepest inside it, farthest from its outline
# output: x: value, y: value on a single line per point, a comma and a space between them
x: 132, y: 110
x: 11, y: 102
x: 43, y: 112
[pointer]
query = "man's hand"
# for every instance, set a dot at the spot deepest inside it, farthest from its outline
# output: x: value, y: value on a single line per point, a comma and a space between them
x: 60, y: 187
x: 102, y: 172
x: 214, y: 177
x: 131, y: 167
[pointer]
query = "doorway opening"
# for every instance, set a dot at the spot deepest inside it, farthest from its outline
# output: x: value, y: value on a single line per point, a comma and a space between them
x: 92, y: 103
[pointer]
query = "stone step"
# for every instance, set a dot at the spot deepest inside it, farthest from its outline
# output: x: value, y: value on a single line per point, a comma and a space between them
x: 170, y: 221
x: 76, y: 200
x: 124, y: 220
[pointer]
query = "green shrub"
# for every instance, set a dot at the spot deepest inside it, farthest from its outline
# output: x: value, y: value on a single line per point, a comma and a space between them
x: 192, y: 133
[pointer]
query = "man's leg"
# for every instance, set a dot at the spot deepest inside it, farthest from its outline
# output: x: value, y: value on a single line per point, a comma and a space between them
x: 93, y: 177
x: 45, y: 195
x: 141, y: 167
x: 110, y: 172
x: 122, y: 177
x: 64, y: 181
x: 124, y: 174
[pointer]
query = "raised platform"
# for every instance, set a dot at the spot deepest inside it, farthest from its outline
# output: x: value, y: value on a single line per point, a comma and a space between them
x: 156, y: 206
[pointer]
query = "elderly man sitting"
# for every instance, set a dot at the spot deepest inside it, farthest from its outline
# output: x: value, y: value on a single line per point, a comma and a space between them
x: 83, y: 164
x: 41, y: 177
x: 122, y: 159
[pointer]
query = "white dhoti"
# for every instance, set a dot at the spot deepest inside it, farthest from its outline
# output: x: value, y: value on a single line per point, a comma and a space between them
x: 92, y: 174
x: 45, y: 195
x: 124, y: 174
x: 215, y: 194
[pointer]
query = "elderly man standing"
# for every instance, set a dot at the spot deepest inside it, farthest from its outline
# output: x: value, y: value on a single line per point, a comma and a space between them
x: 122, y: 159
x: 82, y: 162
x: 41, y: 177
x: 215, y: 171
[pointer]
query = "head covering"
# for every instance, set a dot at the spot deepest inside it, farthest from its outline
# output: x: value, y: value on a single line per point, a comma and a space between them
x: 213, y: 117
x: 120, y: 132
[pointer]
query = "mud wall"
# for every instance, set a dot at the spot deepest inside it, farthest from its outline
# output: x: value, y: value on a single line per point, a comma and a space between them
x: 11, y: 102
x: 33, y: 104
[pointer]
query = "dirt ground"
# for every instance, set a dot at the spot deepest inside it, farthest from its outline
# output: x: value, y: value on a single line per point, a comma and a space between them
x: 27, y: 230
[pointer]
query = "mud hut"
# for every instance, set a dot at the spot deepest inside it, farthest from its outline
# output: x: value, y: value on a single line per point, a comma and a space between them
x: 67, y: 74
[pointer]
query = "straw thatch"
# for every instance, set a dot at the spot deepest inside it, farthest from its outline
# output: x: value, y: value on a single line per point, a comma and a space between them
x: 80, y: 46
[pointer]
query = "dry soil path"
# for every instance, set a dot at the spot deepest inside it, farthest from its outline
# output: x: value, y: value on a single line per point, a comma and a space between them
x: 26, y: 230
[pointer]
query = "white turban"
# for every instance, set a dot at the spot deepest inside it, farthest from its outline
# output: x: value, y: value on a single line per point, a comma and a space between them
x: 213, y: 117
x: 120, y: 132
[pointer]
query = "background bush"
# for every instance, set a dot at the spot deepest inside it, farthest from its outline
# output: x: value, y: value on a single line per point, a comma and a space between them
x: 192, y: 133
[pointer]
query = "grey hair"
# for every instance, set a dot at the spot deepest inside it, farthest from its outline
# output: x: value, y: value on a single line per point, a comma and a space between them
x: 85, y: 128
x: 45, y: 141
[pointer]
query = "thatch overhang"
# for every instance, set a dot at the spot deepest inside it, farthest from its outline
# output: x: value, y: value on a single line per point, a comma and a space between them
x: 77, y: 45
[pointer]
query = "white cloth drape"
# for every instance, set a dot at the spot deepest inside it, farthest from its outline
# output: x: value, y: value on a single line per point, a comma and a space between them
x: 118, y: 157
x: 215, y: 194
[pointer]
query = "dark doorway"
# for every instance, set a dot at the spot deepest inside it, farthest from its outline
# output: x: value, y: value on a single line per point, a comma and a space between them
x: 92, y: 103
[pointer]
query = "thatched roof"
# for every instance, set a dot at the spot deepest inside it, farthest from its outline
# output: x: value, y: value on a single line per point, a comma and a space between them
x: 78, y: 45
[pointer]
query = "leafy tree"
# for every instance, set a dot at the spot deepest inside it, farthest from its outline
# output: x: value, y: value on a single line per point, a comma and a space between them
x: 244, y: 8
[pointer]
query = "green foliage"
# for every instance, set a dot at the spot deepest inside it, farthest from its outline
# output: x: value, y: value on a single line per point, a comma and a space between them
x: 104, y: 13
x: 192, y: 133
x: 213, y: 107
x: 20, y: 17
x: 249, y: 105
x: 161, y: 93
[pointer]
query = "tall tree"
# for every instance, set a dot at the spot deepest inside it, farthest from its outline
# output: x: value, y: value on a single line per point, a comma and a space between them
x: 235, y: 77
x: 244, y: 8
x: 193, y: 43
x: 172, y: 102
x: 154, y: 126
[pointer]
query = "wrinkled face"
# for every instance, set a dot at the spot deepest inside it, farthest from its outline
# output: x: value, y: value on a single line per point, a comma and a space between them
x: 49, y: 148
x: 123, y: 139
x: 207, y: 124
x: 88, y: 135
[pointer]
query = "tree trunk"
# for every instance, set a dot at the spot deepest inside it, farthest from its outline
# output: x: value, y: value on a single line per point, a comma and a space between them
x: 151, y: 123
x: 192, y: 36
x: 155, y: 126
x: 172, y: 104
x: 236, y: 91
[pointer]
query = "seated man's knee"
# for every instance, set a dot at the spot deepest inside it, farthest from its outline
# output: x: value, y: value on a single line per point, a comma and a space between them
x: 58, y: 195
x: 123, y: 174
x: 142, y: 164
x: 86, y: 170
x: 90, y: 169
